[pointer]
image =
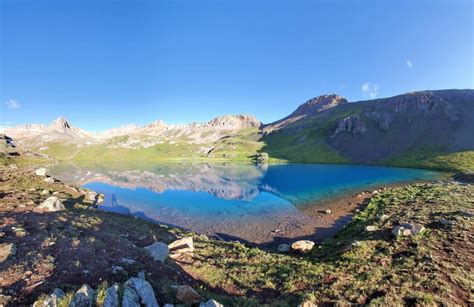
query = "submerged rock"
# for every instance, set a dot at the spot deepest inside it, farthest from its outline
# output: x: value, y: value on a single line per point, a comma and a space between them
x: 302, y: 246
x: 51, y: 204
x: 158, y: 250
x: 144, y: 291
x: 188, y: 295
x: 83, y: 297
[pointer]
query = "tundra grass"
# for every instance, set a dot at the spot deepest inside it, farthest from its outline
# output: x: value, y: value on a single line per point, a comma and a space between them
x: 354, y: 267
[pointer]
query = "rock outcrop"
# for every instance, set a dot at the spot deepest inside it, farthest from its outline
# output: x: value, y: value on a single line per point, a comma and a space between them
x: 350, y: 124
x: 302, y: 246
x: 51, y: 204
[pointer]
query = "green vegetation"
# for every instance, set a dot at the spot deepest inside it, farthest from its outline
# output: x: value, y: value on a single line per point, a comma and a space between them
x: 355, y: 267
x: 435, y: 159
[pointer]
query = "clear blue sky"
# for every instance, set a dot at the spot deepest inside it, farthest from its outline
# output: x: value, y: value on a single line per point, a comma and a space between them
x: 108, y: 63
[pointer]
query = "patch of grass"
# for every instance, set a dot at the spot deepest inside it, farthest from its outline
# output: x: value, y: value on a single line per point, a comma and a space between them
x: 434, y: 159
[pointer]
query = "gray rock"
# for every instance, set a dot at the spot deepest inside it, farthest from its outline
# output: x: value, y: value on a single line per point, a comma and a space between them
x: 51, y: 204
x: 158, y: 250
x: 41, y: 172
x: 144, y: 291
x: 7, y: 250
x: 52, y: 300
x: 127, y: 260
x: 168, y: 305
x: 211, y: 303
x: 181, y: 246
x: 111, y: 296
x: 116, y: 269
x: 83, y: 297
x: 302, y: 246
x: 351, y: 124
x: 283, y: 248
x: 129, y: 298
x: 49, y: 179
x: 371, y: 228
x: 141, y: 275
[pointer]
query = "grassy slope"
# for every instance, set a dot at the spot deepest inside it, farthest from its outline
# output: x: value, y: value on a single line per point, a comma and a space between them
x: 434, y: 267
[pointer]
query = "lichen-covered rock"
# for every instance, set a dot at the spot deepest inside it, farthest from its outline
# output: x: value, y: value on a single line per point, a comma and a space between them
x: 112, y: 296
x: 83, y: 297
x: 158, y: 250
x: 302, y: 246
x: 51, y: 204
x: 52, y: 300
x: 188, y: 295
x: 143, y: 290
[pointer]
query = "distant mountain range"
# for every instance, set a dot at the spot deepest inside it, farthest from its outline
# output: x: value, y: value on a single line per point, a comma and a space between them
x: 413, y: 129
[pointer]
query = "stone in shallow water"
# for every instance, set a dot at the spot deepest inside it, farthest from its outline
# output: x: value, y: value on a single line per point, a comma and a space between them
x: 158, y: 250
x: 302, y: 246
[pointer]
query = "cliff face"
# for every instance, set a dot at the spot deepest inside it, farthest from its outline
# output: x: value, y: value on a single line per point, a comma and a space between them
x: 376, y: 130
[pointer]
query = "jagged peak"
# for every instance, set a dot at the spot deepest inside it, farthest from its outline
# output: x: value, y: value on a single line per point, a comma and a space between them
x: 156, y: 123
x: 61, y: 123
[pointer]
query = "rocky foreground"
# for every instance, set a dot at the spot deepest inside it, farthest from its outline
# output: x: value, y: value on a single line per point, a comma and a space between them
x: 408, y: 245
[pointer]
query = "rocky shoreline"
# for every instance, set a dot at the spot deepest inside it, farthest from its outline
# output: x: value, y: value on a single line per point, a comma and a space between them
x: 55, y: 245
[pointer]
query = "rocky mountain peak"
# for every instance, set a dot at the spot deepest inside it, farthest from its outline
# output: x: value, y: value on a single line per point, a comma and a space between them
x: 61, y: 124
x: 156, y: 124
x: 234, y: 121
x: 319, y: 104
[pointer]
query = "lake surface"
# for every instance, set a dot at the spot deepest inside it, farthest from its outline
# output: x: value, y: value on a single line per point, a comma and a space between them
x: 257, y: 204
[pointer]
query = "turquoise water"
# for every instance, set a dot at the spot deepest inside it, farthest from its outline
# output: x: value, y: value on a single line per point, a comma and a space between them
x: 224, y: 198
x: 236, y: 200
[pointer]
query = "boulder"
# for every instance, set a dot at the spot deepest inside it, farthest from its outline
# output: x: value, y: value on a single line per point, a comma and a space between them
x: 302, y: 246
x: 51, y: 300
x: 181, y: 246
x: 45, y: 192
x: 211, y: 303
x: 407, y: 229
x: 129, y: 298
x: 112, y: 296
x: 158, y: 250
x: 283, y: 248
x: 371, y: 228
x: 144, y: 291
x: 7, y: 250
x: 49, y: 179
x: 307, y: 303
x: 51, y: 204
x: 41, y: 172
x: 83, y: 297
x: 188, y: 295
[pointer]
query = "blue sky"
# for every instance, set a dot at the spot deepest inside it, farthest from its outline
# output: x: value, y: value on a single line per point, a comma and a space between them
x: 109, y: 63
